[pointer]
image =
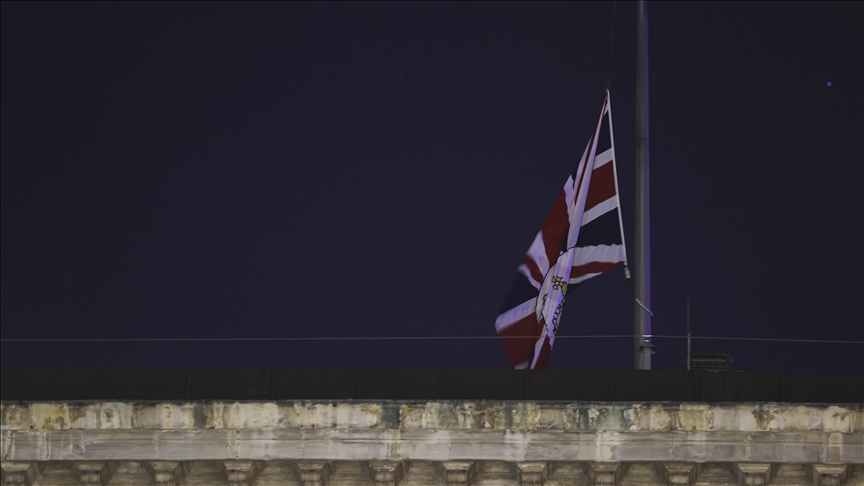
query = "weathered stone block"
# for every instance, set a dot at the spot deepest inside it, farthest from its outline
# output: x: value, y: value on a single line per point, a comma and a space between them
x: 532, y: 473
x: 604, y: 473
x: 314, y: 473
x: 19, y: 473
x: 387, y: 473
x: 167, y: 473
x: 680, y: 474
x: 753, y: 474
x: 93, y: 473
x: 830, y: 475
x: 459, y: 473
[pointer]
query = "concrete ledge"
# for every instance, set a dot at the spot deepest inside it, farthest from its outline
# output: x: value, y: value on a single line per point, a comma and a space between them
x: 433, y: 431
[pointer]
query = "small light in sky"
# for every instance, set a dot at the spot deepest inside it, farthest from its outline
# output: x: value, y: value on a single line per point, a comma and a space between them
x: 829, y: 83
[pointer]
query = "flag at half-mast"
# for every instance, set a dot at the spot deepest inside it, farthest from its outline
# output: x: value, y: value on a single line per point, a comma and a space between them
x: 581, y: 237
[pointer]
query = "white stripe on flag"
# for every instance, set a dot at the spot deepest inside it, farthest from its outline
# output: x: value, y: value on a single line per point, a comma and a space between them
x: 600, y: 253
x: 537, y: 252
x: 574, y: 281
x: 569, y: 196
x: 538, y: 347
x: 523, y: 269
x: 515, y: 314
x: 583, y: 178
x: 599, y: 210
x: 604, y: 158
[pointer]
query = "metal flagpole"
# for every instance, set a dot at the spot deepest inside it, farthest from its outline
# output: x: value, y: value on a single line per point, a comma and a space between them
x: 642, y: 347
x: 688, y: 332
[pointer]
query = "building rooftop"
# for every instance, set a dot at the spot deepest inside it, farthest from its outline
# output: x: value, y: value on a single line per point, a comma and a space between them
x: 391, y: 384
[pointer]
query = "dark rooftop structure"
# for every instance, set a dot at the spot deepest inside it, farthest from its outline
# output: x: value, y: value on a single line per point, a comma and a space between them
x: 429, y: 384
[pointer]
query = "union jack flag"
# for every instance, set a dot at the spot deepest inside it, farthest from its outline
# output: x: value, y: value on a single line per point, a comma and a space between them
x: 582, y: 237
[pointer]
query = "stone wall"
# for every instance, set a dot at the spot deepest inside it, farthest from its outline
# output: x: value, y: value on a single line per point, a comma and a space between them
x: 432, y: 442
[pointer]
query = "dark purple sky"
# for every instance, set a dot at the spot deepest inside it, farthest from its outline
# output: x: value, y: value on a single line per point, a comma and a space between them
x: 379, y: 169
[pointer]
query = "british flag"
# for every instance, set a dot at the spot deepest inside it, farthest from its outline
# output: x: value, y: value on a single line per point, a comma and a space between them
x: 581, y: 237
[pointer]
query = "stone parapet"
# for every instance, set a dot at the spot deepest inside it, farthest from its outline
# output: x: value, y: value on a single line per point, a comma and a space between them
x: 449, y: 415
x: 318, y: 443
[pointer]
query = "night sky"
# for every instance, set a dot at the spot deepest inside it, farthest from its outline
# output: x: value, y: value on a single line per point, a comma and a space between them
x: 285, y: 170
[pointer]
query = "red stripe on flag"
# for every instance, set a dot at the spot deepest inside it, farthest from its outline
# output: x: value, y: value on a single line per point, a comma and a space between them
x: 593, y: 267
x: 545, y: 351
x: 602, y: 185
x: 536, y: 274
x: 555, y: 229
x: 521, y: 349
x: 591, y: 151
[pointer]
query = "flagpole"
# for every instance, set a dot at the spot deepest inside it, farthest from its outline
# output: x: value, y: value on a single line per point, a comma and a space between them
x: 642, y: 348
x: 688, y: 332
